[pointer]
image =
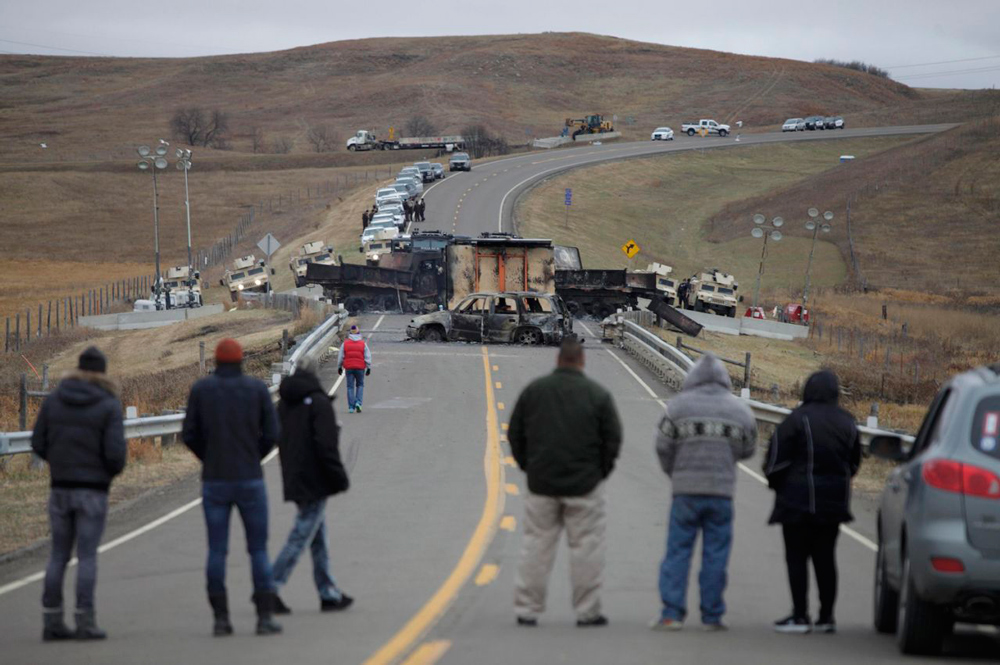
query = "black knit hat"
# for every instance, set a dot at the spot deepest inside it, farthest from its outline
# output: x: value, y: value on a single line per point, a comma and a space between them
x: 92, y: 360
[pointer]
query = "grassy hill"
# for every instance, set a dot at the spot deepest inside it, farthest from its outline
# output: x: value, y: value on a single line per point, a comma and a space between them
x: 518, y: 85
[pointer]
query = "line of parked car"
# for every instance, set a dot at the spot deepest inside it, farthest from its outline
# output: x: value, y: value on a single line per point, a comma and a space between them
x: 813, y: 122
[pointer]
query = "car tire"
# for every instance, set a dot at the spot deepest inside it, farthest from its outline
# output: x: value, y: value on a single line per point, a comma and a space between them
x: 528, y: 337
x: 731, y: 312
x: 920, y: 628
x: 723, y: 133
x: 431, y: 334
x: 352, y: 148
x: 690, y: 132
x: 355, y: 305
x: 885, y: 598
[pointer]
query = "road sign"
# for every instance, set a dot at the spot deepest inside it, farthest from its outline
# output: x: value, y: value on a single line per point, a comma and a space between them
x: 630, y: 248
x: 569, y: 196
x: 269, y: 245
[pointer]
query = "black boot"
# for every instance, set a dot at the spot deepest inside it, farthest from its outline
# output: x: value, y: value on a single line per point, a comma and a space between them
x: 280, y: 607
x: 86, y: 626
x: 266, y: 625
x: 220, y: 608
x: 54, y: 628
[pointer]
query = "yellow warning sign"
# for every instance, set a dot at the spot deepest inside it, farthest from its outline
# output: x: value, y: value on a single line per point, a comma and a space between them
x: 631, y: 249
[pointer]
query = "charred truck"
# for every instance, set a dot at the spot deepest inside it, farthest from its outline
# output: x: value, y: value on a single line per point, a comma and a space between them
x: 600, y: 293
x: 311, y: 252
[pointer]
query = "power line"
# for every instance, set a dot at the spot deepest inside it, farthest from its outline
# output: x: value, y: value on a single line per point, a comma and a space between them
x: 944, y: 62
x: 55, y: 48
x: 953, y: 71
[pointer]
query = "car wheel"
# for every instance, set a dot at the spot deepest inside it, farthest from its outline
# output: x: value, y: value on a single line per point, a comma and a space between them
x: 699, y: 306
x: 919, y: 624
x: 528, y: 337
x: 432, y: 334
x: 354, y: 305
x: 723, y: 132
x: 690, y: 132
x: 731, y: 312
x: 352, y: 148
x: 886, y: 599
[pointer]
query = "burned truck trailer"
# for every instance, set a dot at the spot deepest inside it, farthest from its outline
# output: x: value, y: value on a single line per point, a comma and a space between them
x: 435, y: 271
x: 600, y: 293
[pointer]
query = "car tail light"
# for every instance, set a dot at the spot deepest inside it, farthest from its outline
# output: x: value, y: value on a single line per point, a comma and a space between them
x: 947, y: 565
x: 952, y: 476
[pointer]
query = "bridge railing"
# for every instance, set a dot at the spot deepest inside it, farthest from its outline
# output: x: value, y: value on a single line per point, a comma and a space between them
x: 313, y: 346
x: 671, y: 366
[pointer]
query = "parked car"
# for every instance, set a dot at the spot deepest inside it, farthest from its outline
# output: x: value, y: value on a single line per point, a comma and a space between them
x: 385, y: 193
x: 382, y: 225
x: 662, y: 134
x: 398, y: 219
x: 415, y: 180
x: 834, y: 122
x: 793, y: 125
x: 438, y: 170
x: 814, y: 122
x: 939, y: 518
x: 406, y: 190
x: 514, y: 317
x: 460, y: 162
x: 426, y: 171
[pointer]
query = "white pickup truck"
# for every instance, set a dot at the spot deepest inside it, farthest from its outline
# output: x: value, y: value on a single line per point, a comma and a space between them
x: 706, y: 126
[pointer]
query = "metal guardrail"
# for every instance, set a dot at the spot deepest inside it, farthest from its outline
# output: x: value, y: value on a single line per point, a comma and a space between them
x: 136, y: 428
x: 670, y: 365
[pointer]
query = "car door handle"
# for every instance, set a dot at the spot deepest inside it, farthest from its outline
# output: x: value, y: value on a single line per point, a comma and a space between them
x: 894, y: 486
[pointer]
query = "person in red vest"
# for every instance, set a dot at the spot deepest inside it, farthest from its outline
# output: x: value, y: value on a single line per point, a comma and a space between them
x: 356, y: 358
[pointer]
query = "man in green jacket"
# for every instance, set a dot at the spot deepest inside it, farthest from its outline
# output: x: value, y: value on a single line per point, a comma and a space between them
x: 565, y: 434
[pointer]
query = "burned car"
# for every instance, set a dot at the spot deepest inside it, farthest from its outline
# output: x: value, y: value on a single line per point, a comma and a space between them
x: 511, y: 317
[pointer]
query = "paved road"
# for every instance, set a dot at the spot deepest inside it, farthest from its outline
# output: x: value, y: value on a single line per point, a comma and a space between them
x: 427, y: 537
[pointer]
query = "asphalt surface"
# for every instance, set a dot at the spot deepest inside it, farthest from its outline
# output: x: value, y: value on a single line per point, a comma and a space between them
x: 428, y: 536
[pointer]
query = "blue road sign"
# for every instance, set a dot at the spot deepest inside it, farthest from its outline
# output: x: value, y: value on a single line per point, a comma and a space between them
x: 569, y: 196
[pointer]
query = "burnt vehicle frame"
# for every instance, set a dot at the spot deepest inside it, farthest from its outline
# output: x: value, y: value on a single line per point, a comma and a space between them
x: 506, y: 317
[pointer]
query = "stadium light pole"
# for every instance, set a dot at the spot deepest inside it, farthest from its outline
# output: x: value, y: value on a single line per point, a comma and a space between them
x: 184, y: 164
x: 815, y: 227
x: 765, y: 231
x: 153, y: 161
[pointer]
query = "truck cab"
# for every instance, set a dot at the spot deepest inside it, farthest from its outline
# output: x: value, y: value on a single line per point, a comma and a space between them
x: 247, y: 275
x: 711, y: 291
x: 363, y: 139
x: 665, y: 284
x: 311, y: 252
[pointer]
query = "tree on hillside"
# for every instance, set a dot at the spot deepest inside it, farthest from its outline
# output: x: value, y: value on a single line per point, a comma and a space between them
x: 856, y: 65
x: 420, y: 125
x: 281, y: 145
x: 480, y: 142
x: 257, y: 139
x: 320, y: 138
x: 195, y: 126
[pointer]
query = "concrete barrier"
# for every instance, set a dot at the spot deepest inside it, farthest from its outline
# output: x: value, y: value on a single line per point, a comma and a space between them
x: 556, y: 141
x: 142, y: 320
x: 747, y: 326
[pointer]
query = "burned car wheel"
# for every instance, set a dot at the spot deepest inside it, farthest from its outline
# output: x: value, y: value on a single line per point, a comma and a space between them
x: 355, y: 305
x: 432, y: 334
x: 528, y: 336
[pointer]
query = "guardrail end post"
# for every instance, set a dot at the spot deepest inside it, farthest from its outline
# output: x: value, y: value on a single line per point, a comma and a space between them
x: 22, y: 415
x: 746, y: 373
x: 873, y: 417
x: 745, y: 393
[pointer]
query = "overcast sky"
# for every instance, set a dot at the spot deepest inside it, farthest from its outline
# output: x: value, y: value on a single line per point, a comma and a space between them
x: 932, y: 43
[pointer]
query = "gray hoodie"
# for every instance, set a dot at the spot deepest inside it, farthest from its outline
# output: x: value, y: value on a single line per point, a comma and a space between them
x: 704, y: 432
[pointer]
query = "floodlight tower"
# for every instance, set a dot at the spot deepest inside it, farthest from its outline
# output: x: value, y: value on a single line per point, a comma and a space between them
x: 812, y: 225
x: 154, y: 161
x: 760, y: 230
x: 184, y: 164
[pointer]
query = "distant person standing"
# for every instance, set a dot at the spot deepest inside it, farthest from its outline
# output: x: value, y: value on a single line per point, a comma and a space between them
x: 704, y: 432
x: 311, y: 471
x: 356, y: 358
x: 230, y: 425
x: 421, y: 207
x: 565, y: 434
x: 811, y: 459
x: 407, y: 211
x: 364, y: 220
x: 80, y: 433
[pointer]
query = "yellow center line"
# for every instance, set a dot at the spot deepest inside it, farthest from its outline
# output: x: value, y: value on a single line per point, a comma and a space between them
x: 487, y: 574
x: 496, y: 369
x: 508, y: 523
x: 486, y: 529
x: 509, y: 461
x: 504, y: 426
x: 501, y: 406
x: 512, y: 489
x: 499, y: 385
x: 428, y: 653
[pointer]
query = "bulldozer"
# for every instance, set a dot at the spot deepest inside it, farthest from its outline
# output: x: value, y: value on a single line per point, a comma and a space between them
x: 591, y: 124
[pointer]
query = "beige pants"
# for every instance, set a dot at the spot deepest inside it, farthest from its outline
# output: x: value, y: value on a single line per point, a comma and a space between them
x: 544, y: 519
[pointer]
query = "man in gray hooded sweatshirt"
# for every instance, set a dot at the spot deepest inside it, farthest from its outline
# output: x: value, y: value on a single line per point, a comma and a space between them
x: 704, y: 432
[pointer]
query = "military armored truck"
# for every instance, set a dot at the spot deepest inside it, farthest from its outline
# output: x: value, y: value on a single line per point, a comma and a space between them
x: 247, y: 275
x: 710, y: 291
x: 311, y: 252
x: 182, y: 288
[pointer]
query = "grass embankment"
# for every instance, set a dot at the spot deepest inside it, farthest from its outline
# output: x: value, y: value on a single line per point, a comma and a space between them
x: 663, y: 203
x: 155, y: 369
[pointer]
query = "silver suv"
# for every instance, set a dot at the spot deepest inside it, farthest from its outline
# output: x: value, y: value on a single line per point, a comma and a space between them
x: 939, y: 521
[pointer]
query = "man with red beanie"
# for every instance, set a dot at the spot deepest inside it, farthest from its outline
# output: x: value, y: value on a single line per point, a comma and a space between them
x: 231, y: 425
x: 356, y: 358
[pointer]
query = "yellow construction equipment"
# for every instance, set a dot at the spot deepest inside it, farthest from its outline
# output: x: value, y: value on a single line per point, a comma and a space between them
x: 591, y: 124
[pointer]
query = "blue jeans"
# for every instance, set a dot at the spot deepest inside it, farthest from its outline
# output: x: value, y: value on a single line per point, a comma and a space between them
x: 309, y: 529
x: 355, y: 387
x: 76, y: 517
x: 713, y: 515
x: 250, y: 498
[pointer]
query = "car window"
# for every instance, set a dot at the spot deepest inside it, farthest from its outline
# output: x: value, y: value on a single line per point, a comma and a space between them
x: 707, y: 287
x: 474, y: 306
x: 986, y: 427
x: 504, y: 305
x: 237, y: 275
x: 931, y: 426
x: 537, y: 305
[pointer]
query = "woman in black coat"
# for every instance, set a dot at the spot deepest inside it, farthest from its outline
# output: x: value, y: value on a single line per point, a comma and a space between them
x: 811, y: 459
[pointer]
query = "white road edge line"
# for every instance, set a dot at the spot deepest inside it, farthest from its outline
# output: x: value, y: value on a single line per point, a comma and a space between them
x: 121, y: 540
x: 636, y: 377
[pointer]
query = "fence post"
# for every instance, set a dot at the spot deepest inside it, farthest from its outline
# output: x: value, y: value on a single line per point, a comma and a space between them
x: 48, y: 319
x: 39, y: 320
x: 873, y: 418
x: 27, y: 328
x: 22, y: 416
x: 17, y: 332
x: 746, y: 372
x: 57, y: 315
x: 201, y: 357
x: 284, y: 343
x: 6, y: 338
x: 45, y: 377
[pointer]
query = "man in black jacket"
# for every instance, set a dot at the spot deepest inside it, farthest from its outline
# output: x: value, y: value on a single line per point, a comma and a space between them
x: 312, y: 471
x: 79, y: 432
x: 812, y: 457
x: 230, y: 425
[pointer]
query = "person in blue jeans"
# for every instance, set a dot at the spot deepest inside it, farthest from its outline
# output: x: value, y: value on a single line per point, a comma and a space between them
x: 356, y: 358
x: 703, y: 433
x: 311, y: 471
x: 231, y: 425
